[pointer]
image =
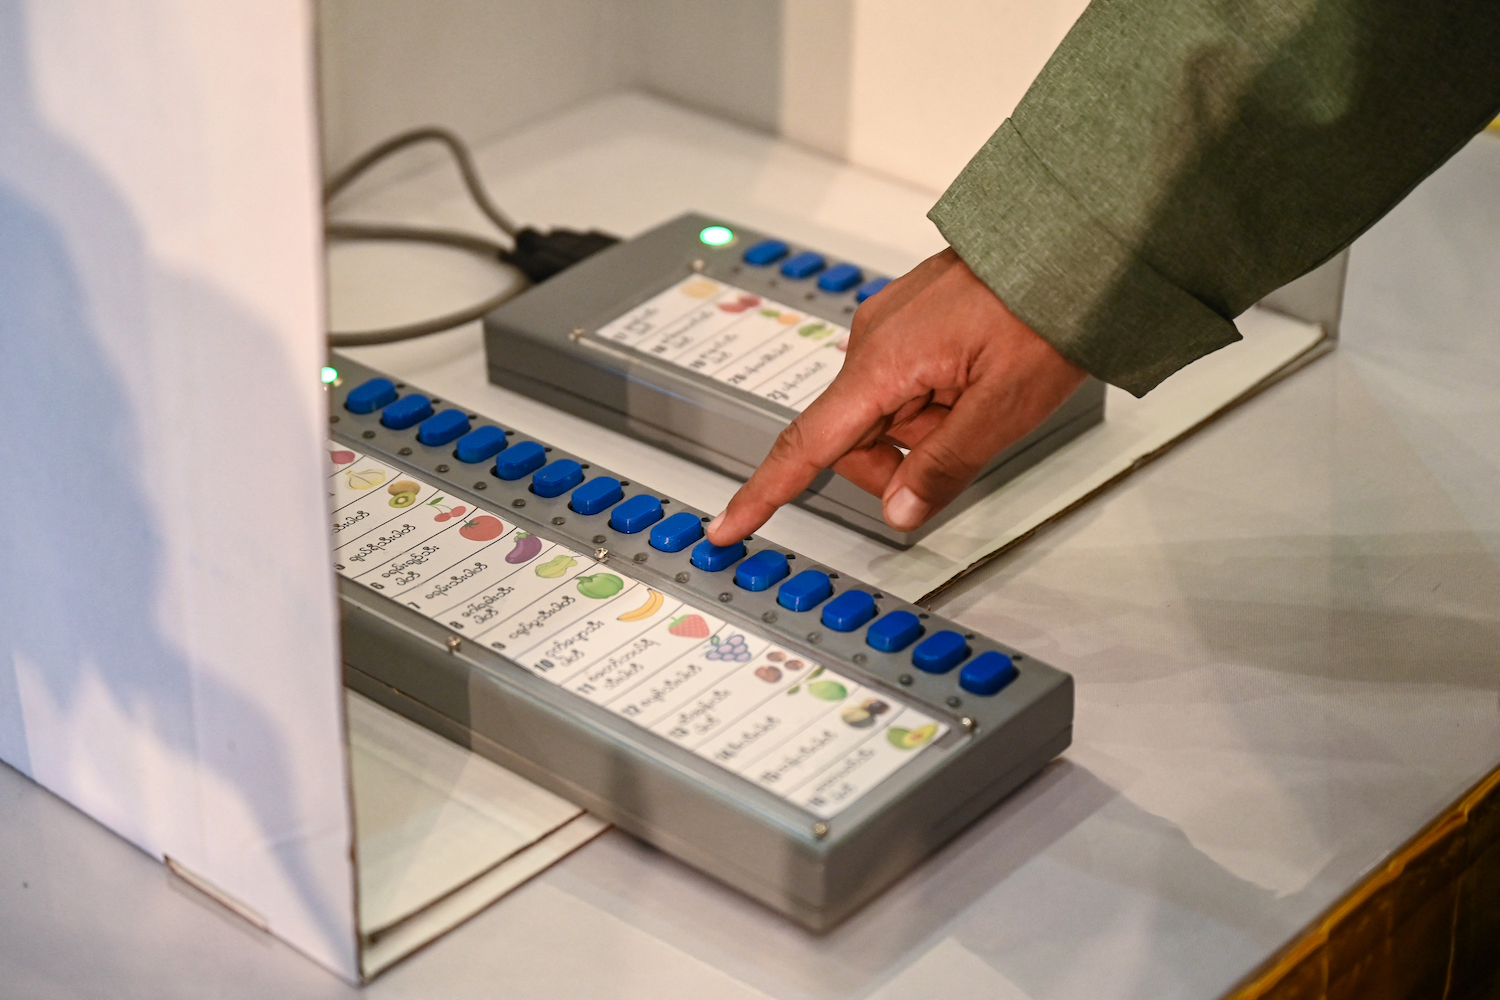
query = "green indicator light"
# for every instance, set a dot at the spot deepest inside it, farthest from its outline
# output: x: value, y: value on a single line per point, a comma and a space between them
x: 716, y: 236
x: 329, y: 374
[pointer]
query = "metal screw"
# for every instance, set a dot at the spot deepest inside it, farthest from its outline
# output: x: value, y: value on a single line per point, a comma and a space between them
x: 967, y: 723
x: 768, y: 617
x: 577, y: 334
x: 369, y: 434
x: 441, y: 468
x: 954, y: 702
x: 697, y: 266
x: 404, y: 451
x: 815, y: 637
x: 726, y: 597
x: 860, y: 658
x: 518, y: 502
x: 559, y: 520
x: 682, y: 578
x: 333, y: 418
x: 601, y: 554
x: 905, y: 680
x: 453, y: 643
x: 600, y: 539
x: 820, y: 830
x: 481, y: 485
x: 640, y: 557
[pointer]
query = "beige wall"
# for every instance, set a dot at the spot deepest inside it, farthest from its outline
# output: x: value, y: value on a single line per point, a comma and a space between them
x: 907, y: 89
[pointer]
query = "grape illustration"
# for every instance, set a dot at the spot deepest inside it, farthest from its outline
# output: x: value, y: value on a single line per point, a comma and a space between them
x: 734, y: 649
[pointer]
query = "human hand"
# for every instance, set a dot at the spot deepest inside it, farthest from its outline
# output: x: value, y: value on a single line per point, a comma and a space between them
x: 936, y: 364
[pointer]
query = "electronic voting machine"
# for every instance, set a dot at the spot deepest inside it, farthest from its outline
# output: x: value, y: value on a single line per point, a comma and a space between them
x: 707, y: 340
x: 794, y: 732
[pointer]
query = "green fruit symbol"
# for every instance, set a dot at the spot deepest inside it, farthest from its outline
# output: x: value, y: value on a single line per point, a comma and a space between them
x: 555, y: 567
x: 814, y: 331
x: 600, y: 585
x: 403, y: 492
x: 827, y: 690
x: 910, y: 739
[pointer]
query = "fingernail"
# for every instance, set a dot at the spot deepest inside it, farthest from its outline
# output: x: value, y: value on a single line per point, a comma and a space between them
x: 714, y: 525
x: 904, y: 510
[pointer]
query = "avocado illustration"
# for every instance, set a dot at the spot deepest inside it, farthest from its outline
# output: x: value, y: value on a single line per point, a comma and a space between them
x: 827, y: 690
x: 910, y: 739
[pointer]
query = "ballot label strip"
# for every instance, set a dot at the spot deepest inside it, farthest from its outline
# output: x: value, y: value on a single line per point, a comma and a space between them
x: 763, y: 712
x: 736, y: 337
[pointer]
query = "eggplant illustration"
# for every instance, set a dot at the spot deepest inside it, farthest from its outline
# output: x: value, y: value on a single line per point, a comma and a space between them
x: 527, y: 547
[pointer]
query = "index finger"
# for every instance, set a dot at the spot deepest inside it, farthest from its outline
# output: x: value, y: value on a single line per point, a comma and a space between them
x: 844, y: 416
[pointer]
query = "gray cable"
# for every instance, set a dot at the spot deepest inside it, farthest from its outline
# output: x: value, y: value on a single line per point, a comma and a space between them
x: 487, y: 249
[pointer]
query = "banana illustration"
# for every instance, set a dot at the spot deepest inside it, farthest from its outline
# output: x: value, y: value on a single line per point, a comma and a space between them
x: 653, y: 604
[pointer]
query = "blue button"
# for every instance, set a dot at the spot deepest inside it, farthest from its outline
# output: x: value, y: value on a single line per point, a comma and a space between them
x: 840, y: 278
x: 765, y: 252
x: 761, y: 570
x: 870, y: 288
x: 711, y: 557
x: 556, y: 478
x: 476, y: 446
x: 988, y: 673
x: 371, y: 396
x: 520, y: 460
x: 637, y: 514
x: 677, y: 532
x: 599, y: 493
x: 940, y: 652
x: 804, y: 265
x: 849, y: 610
x: 442, y: 427
x: 805, y: 591
x: 408, y: 411
x: 895, y: 631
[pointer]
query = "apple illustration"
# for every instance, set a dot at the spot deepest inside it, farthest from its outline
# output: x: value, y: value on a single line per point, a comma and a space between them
x: 341, y: 457
x: 482, y: 528
x: 768, y: 673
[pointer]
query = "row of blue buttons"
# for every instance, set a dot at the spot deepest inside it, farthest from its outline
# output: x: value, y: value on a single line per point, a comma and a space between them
x: 836, y: 279
x: 937, y: 654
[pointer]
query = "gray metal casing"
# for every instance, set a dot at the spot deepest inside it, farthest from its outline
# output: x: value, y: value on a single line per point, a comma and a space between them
x: 725, y: 825
x: 533, y: 349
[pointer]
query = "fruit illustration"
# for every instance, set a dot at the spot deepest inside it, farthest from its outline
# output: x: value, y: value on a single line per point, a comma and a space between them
x: 341, y: 457
x: 768, y: 673
x: 739, y: 305
x: 770, y: 313
x: 365, y: 479
x: 734, y: 649
x: 482, y: 528
x: 556, y: 566
x: 446, y: 510
x: 527, y: 548
x: 600, y: 585
x: 403, y: 492
x: 788, y: 318
x: 796, y: 665
x: 700, y: 288
x: 862, y: 716
x: 776, y: 656
x: 814, y: 331
x: 689, y: 627
x: 910, y: 739
x: 827, y: 690
x: 652, y: 606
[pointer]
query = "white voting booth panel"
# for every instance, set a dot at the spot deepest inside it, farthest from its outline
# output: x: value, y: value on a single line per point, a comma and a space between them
x: 168, y: 644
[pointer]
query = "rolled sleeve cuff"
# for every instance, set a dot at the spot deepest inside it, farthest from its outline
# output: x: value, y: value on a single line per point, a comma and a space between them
x: 1072, y: 281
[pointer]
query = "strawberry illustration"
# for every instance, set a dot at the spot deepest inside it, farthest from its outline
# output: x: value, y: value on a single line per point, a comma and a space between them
x: 689, y: 627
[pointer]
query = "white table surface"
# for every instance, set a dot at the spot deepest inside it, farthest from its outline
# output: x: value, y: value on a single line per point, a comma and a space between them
x: 1284, y: 636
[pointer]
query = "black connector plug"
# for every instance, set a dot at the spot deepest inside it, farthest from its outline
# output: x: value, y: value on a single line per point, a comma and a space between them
x: 541, y: 255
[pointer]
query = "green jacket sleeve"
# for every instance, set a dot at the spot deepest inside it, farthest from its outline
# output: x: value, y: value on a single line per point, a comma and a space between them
x: 1176, y: 160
